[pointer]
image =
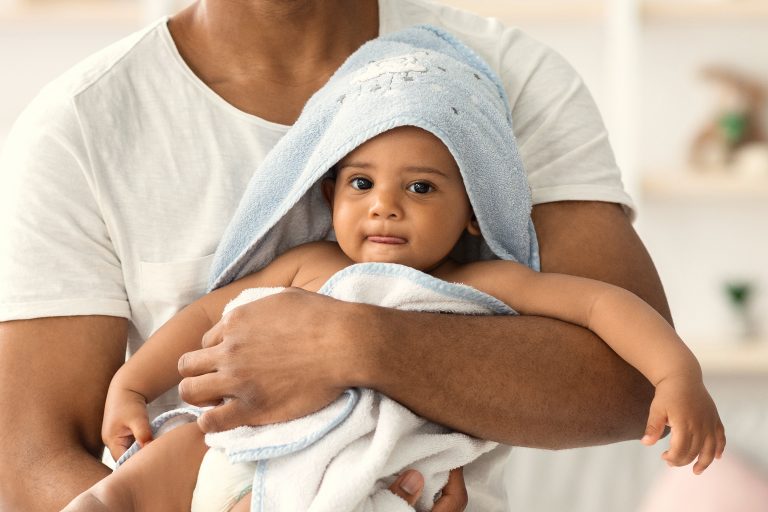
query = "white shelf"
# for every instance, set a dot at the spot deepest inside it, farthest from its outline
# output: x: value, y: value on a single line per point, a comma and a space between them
x: 703, y: 185
x: 515, y: 11
x: 739, y: 357
x: 511, y: 11
x: 714, y: 10
x: 72, y: 11
x: 650, y: 10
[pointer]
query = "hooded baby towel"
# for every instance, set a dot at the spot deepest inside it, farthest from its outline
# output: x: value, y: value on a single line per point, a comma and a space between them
x: 421, y: 77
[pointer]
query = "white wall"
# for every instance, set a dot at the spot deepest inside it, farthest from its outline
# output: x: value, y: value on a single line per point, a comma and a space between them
x: 31, y: 55
x: 696, y: 244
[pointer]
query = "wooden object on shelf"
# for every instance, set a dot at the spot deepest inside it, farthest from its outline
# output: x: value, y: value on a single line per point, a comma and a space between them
x: 510, y: 11
x: 650, y: 10
x: 703, y: 185
x: 737, y: 358
x: 735, y: 123
x: 513, y: 12
x: 696, y: 10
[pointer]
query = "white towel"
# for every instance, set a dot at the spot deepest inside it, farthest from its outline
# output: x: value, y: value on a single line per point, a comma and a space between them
x: 343, y: 457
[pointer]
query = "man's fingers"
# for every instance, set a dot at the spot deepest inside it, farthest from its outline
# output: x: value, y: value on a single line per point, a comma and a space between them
x: 408, y: 486
x: 203, y: 390
x: 214, y: 336
x: 198, y: 362
x: 454, y: 496
x: 222, y: 417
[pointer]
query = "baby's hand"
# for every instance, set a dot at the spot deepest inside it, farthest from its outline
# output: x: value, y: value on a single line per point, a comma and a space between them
x: 125, y: 421
x: 684, y: 404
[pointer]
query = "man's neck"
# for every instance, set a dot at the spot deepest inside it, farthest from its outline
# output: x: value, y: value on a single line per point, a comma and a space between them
x: 285, y: 41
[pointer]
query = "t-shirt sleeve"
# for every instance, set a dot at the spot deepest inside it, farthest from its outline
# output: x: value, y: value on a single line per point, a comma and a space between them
x: 561, y: 137
x: 56, y: 256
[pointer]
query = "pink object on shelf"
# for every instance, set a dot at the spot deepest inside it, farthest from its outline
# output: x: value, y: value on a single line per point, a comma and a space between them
x: 728, y: 485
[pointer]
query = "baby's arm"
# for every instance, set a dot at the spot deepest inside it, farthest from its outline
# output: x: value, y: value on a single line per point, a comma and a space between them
x: 153, y: 369
x: 146, y: 375
x: 636, y: 332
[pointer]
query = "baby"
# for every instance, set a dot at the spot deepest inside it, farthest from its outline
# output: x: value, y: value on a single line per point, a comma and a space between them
x: 398, y: 197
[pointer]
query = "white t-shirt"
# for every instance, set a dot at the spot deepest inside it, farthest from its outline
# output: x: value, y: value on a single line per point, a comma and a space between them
x: 118, y: 180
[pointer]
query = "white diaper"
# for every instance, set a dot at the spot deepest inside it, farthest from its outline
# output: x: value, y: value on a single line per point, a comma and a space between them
x: 221, y: 484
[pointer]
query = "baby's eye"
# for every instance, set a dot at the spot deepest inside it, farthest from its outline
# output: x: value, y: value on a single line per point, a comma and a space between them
x: 420, y: 187
x: 361, y: 183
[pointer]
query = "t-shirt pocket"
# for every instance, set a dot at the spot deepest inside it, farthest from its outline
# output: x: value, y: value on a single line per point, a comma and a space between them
x: 166, y: 287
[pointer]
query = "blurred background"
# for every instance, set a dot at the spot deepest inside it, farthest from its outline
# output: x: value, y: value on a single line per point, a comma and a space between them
x: 682, y: 86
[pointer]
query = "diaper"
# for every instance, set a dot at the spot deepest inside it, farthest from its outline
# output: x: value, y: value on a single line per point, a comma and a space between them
x: 221, y: 484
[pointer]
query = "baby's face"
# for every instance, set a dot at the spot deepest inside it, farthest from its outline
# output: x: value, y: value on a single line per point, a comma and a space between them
x: 399, y: 198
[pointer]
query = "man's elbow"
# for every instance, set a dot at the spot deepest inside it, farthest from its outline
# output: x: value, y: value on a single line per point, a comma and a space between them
x: 633, y: 418
x: 39, y: 476
x: 18, y: 475
x: 623, y: 411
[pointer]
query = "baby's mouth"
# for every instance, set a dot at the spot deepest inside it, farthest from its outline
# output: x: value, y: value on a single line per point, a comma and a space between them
x: 380, y: 239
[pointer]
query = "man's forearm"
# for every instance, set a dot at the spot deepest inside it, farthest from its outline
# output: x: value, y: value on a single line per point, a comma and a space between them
x: 54, y: 374
x: 526, y: 381
x: 523, y: 381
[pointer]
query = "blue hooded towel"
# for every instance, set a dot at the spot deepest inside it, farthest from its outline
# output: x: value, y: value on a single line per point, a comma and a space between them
x: 422, y: 77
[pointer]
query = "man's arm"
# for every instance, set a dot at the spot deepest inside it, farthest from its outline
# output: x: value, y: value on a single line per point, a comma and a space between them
x: 54, y: 374
x: 526, y: 381
x: 530, y: 381
x: 533, y: 381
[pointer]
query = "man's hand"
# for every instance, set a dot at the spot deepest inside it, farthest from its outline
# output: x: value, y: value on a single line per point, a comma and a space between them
x: 454, y: 495
x: 274, y: 360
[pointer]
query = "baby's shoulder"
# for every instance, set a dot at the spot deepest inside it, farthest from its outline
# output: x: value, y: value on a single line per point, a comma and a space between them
x: 317, y: 262
x: 482, y: 274
x: 312, y: 250
x: 474, y: 268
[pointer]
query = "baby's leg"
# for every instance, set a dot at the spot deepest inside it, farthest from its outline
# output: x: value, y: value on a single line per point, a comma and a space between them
x: 244, y: 505
x: 161, y: 476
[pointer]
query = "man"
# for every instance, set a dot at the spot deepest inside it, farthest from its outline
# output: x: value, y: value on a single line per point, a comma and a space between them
x: 112, y: 171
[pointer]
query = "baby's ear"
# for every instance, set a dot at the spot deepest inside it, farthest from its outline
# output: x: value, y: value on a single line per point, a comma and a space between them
x: 473, y: 228
x: 328, y: 186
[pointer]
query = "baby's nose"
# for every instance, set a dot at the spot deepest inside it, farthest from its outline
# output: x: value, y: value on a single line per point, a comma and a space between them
x: 386, y: 205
